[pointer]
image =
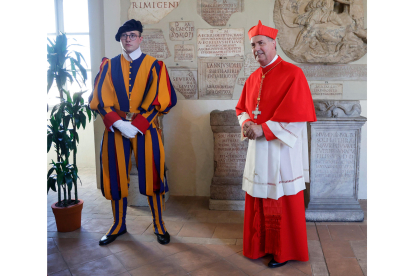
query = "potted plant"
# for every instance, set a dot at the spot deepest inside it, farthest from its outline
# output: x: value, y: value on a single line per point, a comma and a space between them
x: 65, y: 119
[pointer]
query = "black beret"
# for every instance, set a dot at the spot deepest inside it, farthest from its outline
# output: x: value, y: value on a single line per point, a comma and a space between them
x: 130, y: 25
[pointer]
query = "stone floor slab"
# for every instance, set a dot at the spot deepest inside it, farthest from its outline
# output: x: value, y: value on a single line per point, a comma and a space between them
x: 343, y: 267
x: 346, y: 232
x: 106, y: 266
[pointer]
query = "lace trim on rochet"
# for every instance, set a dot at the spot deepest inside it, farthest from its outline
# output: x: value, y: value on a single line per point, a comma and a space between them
x: 273, y: 184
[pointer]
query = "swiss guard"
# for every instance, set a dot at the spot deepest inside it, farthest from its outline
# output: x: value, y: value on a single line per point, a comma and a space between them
x: 130, y: 91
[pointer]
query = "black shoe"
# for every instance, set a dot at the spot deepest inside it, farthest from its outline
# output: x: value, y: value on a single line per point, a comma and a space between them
x: 273, y: 263
x: 110, y: 238
x: 163, y: 239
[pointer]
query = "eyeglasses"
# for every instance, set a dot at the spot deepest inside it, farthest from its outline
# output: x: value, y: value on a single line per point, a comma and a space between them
x: 132, y: 37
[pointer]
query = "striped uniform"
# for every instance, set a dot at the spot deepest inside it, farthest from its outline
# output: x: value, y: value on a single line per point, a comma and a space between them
x: 150, y: 93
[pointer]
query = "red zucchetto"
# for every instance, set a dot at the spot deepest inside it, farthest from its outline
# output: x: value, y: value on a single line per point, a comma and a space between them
x: 260, y: 29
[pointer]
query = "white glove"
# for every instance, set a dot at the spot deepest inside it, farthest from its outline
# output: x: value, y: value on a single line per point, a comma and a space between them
x: 126, y: 128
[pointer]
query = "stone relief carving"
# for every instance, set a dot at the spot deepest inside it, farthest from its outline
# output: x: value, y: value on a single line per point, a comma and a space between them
x: 336, y: 109
x: 151, y: 12
x: 321, y: 31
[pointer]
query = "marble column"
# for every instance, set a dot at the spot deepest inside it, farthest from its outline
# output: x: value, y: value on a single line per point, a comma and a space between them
x: 334, y: 161
x: 229, y: 158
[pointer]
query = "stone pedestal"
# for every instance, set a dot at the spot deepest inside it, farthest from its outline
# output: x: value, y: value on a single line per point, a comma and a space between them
x: 334, y: 161
x: 229, y: 158
x: 135, y: 198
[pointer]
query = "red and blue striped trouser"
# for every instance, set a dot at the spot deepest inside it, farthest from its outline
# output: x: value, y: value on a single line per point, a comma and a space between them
x: 119, y: 210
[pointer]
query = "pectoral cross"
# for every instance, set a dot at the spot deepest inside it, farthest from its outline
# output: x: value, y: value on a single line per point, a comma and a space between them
x: 256, y: 112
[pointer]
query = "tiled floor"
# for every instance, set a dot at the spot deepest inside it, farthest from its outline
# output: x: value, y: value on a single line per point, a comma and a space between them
x: 203, y: 242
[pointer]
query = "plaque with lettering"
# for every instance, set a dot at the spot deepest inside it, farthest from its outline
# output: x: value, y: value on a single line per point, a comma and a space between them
x: 229, y: 154
x: 220, y: 42
x: 154, y: 44
x: 250, y: 64
x: 217, y: 77
x: 185, y: 52
x: 151, y: 12
x: 334, y: 158
x: 326, y: 90
x: 218, y: 12
x: 184, y: 81
x: 345, y: 72
x: 241, y: 81
x: 181, y: 30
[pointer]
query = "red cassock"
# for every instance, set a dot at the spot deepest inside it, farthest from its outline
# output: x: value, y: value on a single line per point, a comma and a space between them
x: 276, y: 227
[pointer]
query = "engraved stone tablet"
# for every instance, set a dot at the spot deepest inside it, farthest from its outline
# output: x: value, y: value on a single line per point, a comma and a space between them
x: 334, y: 169
x: 184, y: 81
x: 151, y: 12
x: 241, y: 81
x: 250, y: 65
x: 181, y: 30
x: 229, y: 157
x: 229, y: 154
x: 218, y: 12
x: 334, y: 162
x: 326, y: 90
x: 220, y: 42
x: 184, y: 52
x: 217, y: 77
x: 346, y: 72
x: 154, y: 44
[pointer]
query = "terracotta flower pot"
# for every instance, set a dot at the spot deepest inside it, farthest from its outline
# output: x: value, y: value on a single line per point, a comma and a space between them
x: 68, y: 218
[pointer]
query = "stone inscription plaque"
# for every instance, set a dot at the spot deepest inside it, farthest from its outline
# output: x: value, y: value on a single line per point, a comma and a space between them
x: 326, y: 90
x: 184, y: 81
x: 184, y: 52
x: 217, y: 77
x: 181, y: 30
x: 351, y: 72
x: 151, y: 12
x: 220, y: 42
x: 335, y: 163
x: 241, y: 81
x: 250, y: 65
x: 154, y: 44
x: 229, y: 154
x: 218, y: 12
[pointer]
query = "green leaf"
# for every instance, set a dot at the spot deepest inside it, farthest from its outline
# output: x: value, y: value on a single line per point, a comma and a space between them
x: 68, y: 97
x: 66, y: 121
x: 51, y: 184
x: 78, y: 56
x: 81, y: 69
x: 77, y: 121
x: 51, y: 43
x: 50, y: 78
x: 60, y: 178
x: 55, y: 107
x: 49, y: 141
x: 72, y: 67
x: 82, y: 118
x: 50, y: 171
x: 88, y: 111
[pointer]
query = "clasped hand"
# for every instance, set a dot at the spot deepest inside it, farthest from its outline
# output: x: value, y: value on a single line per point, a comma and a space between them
x: 126, y: 128
x: 252, y: 130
